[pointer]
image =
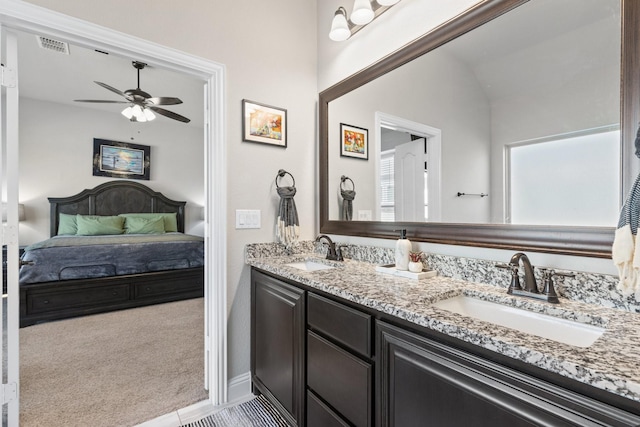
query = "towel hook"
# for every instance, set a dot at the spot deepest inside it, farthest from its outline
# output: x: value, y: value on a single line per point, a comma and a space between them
x: 281, y: 174
x: 343, y: 178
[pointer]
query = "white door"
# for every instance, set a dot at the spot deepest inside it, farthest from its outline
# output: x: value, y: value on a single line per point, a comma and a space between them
x: 9, y: 193
x: 408, y: 166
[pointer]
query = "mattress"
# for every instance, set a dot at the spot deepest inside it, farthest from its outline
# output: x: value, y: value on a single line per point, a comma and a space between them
x: 82, y: 257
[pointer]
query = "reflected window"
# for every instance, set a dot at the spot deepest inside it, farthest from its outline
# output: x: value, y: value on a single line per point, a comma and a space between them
x: 387, y: 198
x: 587, y: 163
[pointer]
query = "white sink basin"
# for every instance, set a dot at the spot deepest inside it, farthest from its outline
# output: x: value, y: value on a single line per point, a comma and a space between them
x: 542, y: 325
x: 310, y: 265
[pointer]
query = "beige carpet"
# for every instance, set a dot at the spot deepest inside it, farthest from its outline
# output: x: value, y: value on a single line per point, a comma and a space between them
x: 112, y: 369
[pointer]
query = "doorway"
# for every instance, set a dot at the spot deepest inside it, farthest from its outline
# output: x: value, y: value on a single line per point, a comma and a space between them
x: 424, y: 144
x: 26, y: 17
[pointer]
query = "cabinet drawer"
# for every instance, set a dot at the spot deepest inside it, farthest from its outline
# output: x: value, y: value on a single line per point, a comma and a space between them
x: 77, y: 298
x: 340, y: 323
x: 320, y: 415
x: 342, y: 380
x: 162, y: 288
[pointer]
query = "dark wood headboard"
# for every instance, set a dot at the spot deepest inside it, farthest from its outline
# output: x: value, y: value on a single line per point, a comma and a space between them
x: 113, y: 198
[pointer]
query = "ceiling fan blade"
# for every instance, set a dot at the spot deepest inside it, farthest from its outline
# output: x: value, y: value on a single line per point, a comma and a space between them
x: 103, y: 101
x: 170, y: 114
x: 163, y: 100
x: 111, y: 88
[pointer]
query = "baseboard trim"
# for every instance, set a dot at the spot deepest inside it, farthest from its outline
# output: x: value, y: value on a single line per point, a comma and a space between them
x: 239, y: 388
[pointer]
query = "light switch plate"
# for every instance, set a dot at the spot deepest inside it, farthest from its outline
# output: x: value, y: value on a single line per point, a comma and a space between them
x: 247, y: 218
x: 364, y: 215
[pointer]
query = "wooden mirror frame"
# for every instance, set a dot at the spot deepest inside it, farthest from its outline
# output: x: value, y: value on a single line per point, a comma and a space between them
x: 580, y: 241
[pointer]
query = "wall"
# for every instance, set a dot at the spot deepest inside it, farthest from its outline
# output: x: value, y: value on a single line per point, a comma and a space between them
x: 401, y: 24
x: 457, y: 106
x: 56, y: 148
x: 269, y: 50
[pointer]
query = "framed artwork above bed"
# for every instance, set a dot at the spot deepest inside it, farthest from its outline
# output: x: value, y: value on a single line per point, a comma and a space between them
x: 121, y: 159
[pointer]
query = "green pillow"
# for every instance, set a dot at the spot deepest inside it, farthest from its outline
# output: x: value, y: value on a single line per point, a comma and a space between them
x: 140, y: 225
x: 170, y: 219
x: 67, y: 224
x: 94, y: 225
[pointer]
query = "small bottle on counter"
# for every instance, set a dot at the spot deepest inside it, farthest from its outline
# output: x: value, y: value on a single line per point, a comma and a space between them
x: 403, y: 247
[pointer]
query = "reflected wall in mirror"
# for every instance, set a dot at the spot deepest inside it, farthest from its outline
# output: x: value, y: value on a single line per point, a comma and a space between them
x: 545, y: 76
x: 522, y: 90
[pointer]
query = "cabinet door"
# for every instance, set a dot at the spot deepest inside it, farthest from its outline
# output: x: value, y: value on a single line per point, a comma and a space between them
x: 277, y: 344
x: 421, y: 382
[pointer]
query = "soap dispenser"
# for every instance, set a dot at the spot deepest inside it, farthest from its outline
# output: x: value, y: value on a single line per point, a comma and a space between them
x: 403, y: 247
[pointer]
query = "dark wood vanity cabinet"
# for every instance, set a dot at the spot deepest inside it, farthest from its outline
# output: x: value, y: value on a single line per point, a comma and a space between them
x: 325, y: 363
x: 278, y: 344
x: 422, y: 382
x: 310, y: 356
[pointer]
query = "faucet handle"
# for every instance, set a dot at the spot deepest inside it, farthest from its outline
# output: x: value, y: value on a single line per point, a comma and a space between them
x: 547, y: 285
x: 515, y: 279
x: 549, y: 288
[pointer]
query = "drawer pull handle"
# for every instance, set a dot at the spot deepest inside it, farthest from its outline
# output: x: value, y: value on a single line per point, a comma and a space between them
x: 148, y: 288
x: 45, y: 301
x: 115, y: 293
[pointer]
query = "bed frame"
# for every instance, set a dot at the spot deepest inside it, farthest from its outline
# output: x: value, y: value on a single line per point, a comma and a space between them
x: 41, y: 302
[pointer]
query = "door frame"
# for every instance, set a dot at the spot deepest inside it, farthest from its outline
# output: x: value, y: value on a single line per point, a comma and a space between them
x: 35, y: 19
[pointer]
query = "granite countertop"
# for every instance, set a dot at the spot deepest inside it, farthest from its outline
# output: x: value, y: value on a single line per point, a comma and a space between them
x: 610, y: 363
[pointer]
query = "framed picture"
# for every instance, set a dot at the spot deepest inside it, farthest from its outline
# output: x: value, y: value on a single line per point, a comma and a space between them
x: 120, y: 159
x: 264, y: 124
x: 354, y: 142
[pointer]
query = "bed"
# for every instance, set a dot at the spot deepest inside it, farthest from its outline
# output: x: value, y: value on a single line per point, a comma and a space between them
x: 88, y: 270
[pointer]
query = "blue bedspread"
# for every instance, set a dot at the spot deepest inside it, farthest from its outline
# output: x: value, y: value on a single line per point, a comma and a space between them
x: 81, y: 257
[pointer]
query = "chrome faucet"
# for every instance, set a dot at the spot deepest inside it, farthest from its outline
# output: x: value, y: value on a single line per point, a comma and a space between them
x: 332, y: 253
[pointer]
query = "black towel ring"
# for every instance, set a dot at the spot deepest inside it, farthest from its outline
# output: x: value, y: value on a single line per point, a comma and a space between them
x: 281, y: 174
x: 343, y: 179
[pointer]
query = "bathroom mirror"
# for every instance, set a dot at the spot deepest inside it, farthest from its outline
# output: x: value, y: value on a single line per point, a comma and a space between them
x: 492, y: 108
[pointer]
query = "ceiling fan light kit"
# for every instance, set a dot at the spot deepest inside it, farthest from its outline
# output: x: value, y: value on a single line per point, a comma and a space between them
x: 141, y: 105
x: 135, y: 113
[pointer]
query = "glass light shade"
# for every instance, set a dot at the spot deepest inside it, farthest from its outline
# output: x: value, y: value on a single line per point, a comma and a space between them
x: 362, y: 12
x: 387, y: 2
x: 128, y: 112
x: 148, y: 114
x: 138, y: 114
x: 339, y: 27
x: 137, y: 110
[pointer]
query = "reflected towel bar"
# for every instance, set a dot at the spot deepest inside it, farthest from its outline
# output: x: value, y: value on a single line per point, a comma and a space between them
x: 473, y: 194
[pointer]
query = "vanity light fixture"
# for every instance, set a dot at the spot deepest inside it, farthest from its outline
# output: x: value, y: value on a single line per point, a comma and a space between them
x: 363, y: 13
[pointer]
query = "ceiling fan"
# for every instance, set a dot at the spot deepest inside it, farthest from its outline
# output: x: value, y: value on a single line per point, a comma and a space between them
x: 141, y: 104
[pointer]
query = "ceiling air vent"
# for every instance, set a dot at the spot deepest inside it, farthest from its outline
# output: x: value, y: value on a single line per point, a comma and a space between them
x: 54, y: 45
